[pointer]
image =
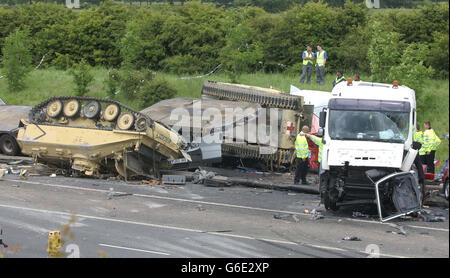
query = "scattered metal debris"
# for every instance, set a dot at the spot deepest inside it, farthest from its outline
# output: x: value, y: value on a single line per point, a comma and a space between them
x: 112, y: 194
x: 200, y: 208
x: 360, y: 214
x: 151, y: 182
x: 200, y: 176
x: 1, y: 240
x: 351, y: 238
x: 316, y: 215
x: 24, y: 174
x: 281, y: 216
x: 174, y: 179
x: 428, y: 216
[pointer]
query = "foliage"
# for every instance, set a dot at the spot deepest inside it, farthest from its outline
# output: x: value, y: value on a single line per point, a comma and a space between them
x: 241, y: 53
x: 195, y: 37
x: 82, y: 77
x: 438, y: 54
x: 384, y: 51
x: 412, y: 72
x: 155, y: 91
x: 17, y: 59
x: 111, y: 83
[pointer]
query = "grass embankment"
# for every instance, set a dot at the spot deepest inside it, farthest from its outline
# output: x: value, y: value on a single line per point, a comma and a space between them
x: 42, y: 84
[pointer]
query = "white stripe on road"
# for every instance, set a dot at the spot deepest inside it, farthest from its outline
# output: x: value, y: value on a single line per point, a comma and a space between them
x: 181, y: 229
x: 147, y: 224
x: 134, y: 249
x: 214, y: 204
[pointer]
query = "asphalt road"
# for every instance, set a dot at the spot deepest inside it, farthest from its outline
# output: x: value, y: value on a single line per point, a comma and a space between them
x: 194, y: 221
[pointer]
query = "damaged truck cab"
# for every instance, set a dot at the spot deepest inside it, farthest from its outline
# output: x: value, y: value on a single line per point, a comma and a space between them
x: 367, y: 135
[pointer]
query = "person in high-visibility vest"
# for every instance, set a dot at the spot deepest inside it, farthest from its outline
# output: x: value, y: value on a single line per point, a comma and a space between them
x: 302, y: 151
x: 308, y: 63
x: 321, y: 60
x: 339, y: 78
x: 418, y: 137
x: 430, y: 141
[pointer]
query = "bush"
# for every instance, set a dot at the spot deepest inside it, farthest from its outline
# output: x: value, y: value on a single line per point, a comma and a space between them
x: 412, y: 72
x: 242, y: 53
x: 82, y: 77
x: 17, y: 59
x: 438, y: 54
x: 131, y: 82
x: 384, y: 51
x: 155, y: 91
x: 62, y: 61
x: 111, y: 83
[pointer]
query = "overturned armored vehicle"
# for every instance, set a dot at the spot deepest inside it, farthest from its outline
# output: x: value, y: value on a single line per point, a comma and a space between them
x: 250, y: 123
x: 94, y: 136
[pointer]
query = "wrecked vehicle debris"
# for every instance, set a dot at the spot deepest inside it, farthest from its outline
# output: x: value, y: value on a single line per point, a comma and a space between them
x: 93, y: 136
x: 400, y: 189
x: 239, y: 108
x: 10, y: 117
x: 368, y: 149
x: 351, y: 238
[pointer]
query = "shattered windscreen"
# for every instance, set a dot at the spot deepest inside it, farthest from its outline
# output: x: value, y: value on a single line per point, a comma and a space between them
x: 383, y: 126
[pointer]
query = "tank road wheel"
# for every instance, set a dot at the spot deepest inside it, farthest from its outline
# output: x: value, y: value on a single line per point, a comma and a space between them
x: 125, y: 121
x: 141, y: 124
x: 72, y: 108
x: 92, y: 109
x: 112, y: 111
x: 54, y: 108
x: 8, y: 145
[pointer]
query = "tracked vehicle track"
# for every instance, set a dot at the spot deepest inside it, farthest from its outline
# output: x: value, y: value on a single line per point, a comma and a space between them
x: 40, y: 114
x: 268, y: 98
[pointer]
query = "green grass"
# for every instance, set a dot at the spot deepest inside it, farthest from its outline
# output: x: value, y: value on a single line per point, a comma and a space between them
x: 45, y: 83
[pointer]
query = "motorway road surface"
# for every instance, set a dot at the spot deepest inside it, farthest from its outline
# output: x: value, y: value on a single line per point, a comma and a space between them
x: 194, y: 221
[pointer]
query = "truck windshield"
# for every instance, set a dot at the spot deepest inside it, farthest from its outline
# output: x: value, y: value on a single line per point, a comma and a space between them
x: 383, y: 126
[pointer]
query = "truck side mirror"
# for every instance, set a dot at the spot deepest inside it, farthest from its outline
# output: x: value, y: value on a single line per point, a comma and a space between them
x: 320, y: 132
x: 322, y: 117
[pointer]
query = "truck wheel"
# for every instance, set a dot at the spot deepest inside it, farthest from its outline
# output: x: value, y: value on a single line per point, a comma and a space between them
x: 445, y: 189
x: 8, y: 145
x: 329, y: 204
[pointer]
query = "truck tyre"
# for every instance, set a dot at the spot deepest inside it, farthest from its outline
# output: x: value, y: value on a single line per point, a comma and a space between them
x: 329, y: 204
x: 8, y: 145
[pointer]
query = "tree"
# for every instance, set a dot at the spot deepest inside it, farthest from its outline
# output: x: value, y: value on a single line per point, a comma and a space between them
x: 155, y: 91
x: 131, y: 47
x: 82, y: 77
x: 241, y: 54
x: 17, y: 59
x: 412, y: 72
x: 384, y: 51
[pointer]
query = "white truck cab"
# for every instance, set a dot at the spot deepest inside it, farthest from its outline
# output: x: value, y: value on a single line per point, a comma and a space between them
x: 366, y: 126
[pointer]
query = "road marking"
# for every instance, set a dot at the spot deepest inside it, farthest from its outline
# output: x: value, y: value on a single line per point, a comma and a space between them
x: 326, y: 247
x: 216, y: 204
x: 134, y: 249
x: 148, y: 224
x: 183, y: 229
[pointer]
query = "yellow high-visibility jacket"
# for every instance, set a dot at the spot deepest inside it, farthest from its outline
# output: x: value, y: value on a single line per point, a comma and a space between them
x: 301, y: 146
x: 430, y: 140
